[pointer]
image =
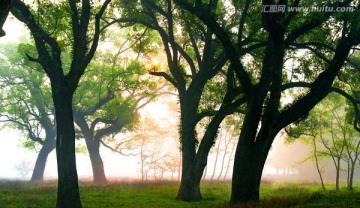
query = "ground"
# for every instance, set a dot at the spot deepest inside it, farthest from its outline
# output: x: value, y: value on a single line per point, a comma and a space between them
x: 162, y: 194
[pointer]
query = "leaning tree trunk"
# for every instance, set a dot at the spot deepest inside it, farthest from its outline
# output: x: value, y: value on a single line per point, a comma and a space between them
x: 248, y: 166
x: 39, y: 169
x: 317, y: 164
x: 250, y: 156
x: 68, y: 189
x: 96, y: 161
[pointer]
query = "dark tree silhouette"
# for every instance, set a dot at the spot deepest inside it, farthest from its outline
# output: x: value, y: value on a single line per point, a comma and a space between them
x: 263, y: 82
x: 84, y: 34
x: 5, y: 6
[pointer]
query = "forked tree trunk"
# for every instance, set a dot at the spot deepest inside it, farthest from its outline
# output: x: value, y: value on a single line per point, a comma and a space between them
x: 250, y: 156
x: 39, y: 169
x: 68, y: 189
x: 96, y: 162
x: 194, y: 163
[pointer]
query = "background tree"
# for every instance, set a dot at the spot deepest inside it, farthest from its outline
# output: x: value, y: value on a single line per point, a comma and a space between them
x: 329, y: 133
x: 52, y: 33
x: 26, y: 103
x: 23, y: 168
x: 258, y: 44
x: 112, y: 104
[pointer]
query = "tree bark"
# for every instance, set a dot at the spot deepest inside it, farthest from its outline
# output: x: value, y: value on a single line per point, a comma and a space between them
x: 190, y: 180
x: 96, y: 161
x: 38, y: 173
x: 248, y: 166
x: 68, y: 189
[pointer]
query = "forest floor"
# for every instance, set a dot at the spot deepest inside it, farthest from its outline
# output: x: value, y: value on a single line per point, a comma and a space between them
x: 162, y: 194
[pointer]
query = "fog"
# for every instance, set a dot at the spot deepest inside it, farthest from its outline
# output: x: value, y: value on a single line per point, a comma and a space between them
x: 283, y: 163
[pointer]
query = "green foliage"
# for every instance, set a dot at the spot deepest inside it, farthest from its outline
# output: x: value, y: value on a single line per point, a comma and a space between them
x: 26, y: 97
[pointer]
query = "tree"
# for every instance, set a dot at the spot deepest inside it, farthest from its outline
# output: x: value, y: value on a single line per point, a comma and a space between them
x: 115, y: 106
x: 26, y: 103
x: 23, y: 168
x: 330, y: 134
x: 4, y: 11
x: 194, y: 57
x: 122, y: 93
x: 258, y: 44
x: 52, y: 33
x: 153, y: 145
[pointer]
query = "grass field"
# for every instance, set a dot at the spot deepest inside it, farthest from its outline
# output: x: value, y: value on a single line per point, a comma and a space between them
x: 162, y: 194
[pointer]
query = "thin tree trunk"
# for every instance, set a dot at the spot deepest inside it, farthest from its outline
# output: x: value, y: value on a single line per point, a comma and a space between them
x: 317, y: 165
x: 227, y: 142
x: 229, y: 161
x: 39, y: 168
x: 338, y: 175
x: 351, y: 180
x: 68, y: 189
x: 216, y: 160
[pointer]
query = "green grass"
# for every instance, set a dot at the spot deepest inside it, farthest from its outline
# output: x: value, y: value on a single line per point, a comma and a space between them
x: 162, y: 194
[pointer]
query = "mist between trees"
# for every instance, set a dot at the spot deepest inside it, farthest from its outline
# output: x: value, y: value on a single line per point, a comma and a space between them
x: 236, y: 79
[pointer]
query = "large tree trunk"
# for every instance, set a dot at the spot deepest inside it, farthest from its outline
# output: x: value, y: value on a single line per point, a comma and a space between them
x: 194, y: 163
x: 248, y: 166
x: 250, y: 156
x: 190, y: 180
x: 93, y: 147
x: 38, y: 173
x: 96, y: 162
x: 68, y: 189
